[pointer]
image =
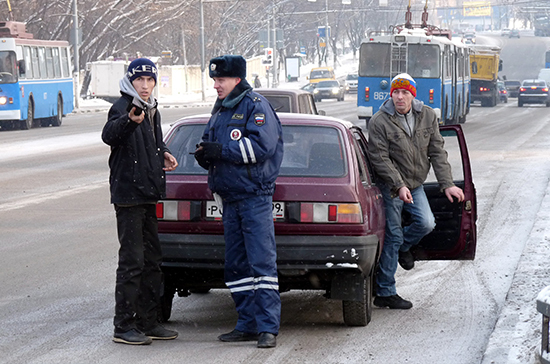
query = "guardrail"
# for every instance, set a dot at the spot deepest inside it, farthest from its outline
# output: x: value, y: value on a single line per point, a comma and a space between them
x: 543, y: 306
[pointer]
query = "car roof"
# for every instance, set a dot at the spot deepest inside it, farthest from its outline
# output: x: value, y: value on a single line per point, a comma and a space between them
x: 534, y: 80
x: 280, y: 91
x: 286, y: 119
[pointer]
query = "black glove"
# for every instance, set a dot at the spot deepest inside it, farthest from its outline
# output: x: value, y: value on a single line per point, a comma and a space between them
x: 199, y: 156
x: 212, y: 151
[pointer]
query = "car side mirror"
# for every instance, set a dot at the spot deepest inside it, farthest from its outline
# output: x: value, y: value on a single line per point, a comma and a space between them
x: 322, y: 112
x: 21, y: 65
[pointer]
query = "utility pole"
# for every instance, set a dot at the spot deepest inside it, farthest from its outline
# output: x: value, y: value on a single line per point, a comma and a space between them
x: 203, y: 73
x: 76, y: 51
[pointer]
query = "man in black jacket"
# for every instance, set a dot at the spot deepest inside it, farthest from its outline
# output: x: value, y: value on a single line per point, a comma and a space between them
x: 138, y: 161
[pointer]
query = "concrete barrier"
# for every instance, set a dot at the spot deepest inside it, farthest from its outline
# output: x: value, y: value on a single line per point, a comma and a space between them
x: 543, y: 306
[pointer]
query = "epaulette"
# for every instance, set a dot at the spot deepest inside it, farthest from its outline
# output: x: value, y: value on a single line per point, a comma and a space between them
x: 254, y: 96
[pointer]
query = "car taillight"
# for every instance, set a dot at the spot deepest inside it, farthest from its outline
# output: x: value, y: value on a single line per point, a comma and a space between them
x: 545, y: 89
x: 522, y: 89
x: 343, y: 213
x: 483, y: 89
x: 431, y: 96
x: 178, y: 210
x: 533, y: 87
x: 367, y: 93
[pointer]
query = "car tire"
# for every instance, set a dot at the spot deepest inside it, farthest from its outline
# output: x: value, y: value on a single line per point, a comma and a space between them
x: 359, y: 313
x: 165, y: 307
x: 548, y: 104
x: 520, y: 103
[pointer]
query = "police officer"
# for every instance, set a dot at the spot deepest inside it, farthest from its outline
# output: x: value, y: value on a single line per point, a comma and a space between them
x: 243, y: 148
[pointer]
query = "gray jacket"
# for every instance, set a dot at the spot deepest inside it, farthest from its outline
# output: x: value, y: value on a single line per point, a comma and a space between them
x: 402, y: 160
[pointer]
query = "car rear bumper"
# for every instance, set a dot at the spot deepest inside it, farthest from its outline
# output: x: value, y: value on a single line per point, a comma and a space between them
x: 543, y: 98
x: 297, y: 256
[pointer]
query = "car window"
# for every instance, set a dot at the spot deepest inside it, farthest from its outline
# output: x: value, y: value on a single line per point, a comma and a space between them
x: 182, y: 142
x: 280, y: 103
x: 312, y: 151
x: 534, y: 83
x: 452, y: 147
x: 352, y: 76
x: 304, y: 105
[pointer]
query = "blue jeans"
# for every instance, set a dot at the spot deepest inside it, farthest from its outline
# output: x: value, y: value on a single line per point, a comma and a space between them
x: 399, y: 238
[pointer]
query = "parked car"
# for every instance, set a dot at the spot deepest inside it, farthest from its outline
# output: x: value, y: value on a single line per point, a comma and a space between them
x: 505, y: 32
x: 512, y: 87
x: 327, y: 209
x: 514, y: 33
x: 297, y: 101
x: 533, y: 92
x: 502, y: 92
x: 329, y: 90
x: 351, y: 82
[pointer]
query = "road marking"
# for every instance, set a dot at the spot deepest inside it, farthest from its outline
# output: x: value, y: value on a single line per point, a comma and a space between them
x: 35, y: 200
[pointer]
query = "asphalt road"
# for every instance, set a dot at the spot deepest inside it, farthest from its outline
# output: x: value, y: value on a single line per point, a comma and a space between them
x: 58, y: 253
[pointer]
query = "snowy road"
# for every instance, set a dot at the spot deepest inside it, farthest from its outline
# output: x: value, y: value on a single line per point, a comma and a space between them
x: 58, y: 256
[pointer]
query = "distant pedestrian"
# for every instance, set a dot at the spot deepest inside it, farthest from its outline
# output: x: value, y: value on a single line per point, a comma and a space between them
x: 242, y: 149
x: 404, y: 142
x: 257, y: 82
x: 138, y: 161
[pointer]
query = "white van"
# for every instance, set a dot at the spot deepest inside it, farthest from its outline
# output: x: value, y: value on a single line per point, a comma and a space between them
x: 544, y: 74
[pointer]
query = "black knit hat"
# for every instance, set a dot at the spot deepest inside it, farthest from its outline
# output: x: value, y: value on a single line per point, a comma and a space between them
x: 142, y: 67
x: 228, y: 66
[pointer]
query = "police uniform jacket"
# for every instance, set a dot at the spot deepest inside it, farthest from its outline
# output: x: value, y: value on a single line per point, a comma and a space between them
x: 137, y: 156
x: 252, y: 146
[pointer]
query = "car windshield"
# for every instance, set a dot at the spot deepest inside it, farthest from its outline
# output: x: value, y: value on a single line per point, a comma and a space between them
x: 512, y: 83
x: 352, y: 76
x: 328, y: 84
x: 309, y: 151
x: 314, y: 75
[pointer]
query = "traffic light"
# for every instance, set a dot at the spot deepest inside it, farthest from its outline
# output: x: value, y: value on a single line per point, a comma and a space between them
x: 267, y: 59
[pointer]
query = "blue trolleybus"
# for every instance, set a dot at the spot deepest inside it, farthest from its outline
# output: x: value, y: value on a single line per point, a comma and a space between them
x: 36, y: 87
x: 439, y: 65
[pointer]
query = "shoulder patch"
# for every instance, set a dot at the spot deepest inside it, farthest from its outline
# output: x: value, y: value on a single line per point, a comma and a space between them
x: 259, y: 119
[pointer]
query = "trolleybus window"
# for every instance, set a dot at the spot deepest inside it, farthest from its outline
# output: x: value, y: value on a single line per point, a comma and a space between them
x: 375, y: 60
x: 423, y: 61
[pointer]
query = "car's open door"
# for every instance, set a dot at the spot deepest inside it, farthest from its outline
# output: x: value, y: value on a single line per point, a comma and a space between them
x: 454, y: 236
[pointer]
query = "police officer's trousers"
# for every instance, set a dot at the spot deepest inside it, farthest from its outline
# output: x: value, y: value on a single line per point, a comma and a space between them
x: 250, y: 264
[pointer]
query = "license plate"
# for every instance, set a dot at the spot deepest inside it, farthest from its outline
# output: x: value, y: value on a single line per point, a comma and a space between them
x: 213, y: 211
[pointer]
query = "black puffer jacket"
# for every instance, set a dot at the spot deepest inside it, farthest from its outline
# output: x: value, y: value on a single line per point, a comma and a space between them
x: 137, y: 158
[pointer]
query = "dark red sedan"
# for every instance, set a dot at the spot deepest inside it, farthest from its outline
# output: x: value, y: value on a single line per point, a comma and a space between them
x: 328, y: 213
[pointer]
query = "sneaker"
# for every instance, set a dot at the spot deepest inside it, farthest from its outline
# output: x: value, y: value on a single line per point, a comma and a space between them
x: 267, y: 340
x: 237, y: 335
x: 406, y: 260
x: 160, y: 333
x: 393, y: 302
x: 132, y: 337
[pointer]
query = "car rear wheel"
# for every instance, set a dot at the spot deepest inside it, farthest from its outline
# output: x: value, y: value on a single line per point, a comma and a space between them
x: 359, y: 313
x: 520, y: 103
